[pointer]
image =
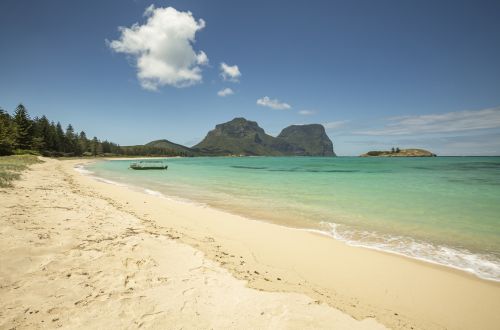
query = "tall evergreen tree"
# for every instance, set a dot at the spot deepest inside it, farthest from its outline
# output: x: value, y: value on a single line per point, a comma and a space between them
x: 96, y: 147
x: 37, y: 136
x: 71, y: 143
x: 44, y: 129
x: 7, y: 133
x: 52, y: 139
x: 60, y: 138
x: 24, y: 138
x: 83, y: 142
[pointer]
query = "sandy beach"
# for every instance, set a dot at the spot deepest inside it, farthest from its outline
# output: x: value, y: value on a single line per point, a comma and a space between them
x: 82, y: 253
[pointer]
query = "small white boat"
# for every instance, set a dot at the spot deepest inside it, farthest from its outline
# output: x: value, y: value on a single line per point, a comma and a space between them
x: 149, y: 165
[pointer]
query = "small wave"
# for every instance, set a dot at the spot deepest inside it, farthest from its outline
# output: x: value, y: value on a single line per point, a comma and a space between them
x: 81, y: 169
x: 153, y: 193
x: 149, y: 192
x: 170, y: 198
x: 109, y: 181
x: 484, y: 266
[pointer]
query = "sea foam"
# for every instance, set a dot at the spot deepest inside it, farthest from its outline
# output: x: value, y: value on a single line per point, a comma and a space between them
x: 81, y: 169
x: 482, y: 265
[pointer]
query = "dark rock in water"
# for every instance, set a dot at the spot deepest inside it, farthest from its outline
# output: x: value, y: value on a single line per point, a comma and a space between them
x: 311, y: 138
x: 400, y: 153
x: 244, y: 137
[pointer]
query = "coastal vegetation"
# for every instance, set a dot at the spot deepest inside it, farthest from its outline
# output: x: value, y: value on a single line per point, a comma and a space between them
x: 21, y: 134
x: 12, y: 166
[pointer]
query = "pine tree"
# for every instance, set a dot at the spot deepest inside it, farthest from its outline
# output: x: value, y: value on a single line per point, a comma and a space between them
x: 60, y: 138
x: 71, y: 143
x: 37, y: 136
x: 106, y: 147
x: 96, y: 147
x: 24, y: 138
x: 52, y: 139
x: 7, y: 133
x: 83, y: 142
x: 44, y: 129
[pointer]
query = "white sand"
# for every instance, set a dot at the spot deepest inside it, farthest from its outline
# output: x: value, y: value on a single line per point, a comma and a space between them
x: 74, y: 257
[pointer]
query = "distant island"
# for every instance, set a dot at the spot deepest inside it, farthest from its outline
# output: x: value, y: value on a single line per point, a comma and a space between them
x: 400, y: 153
x: 244, y: 137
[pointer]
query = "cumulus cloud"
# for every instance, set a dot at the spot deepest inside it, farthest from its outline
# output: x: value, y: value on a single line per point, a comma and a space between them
x: 163, y: 48
x: 439, y: 123
x: 228, y: 72
x: 225, y: 92
x: 273, y: 103
x: 335, y: 124
x: 307, y: 112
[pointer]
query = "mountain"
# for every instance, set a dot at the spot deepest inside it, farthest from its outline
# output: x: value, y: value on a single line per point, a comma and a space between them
x: 311, y: 138
x: 244, y: 137
x: 159, y: 148
x: 239, y: 137
x: 400, y: 153
x: 166, y: 144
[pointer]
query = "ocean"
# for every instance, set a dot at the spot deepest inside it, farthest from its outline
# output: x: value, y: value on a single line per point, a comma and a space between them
x: 443, y: 210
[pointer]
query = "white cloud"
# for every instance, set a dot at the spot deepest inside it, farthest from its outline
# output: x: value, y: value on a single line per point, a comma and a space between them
x: 163, y: 48
x: 273, y: 103
x: 225, y: 92
x: 202, y: 58
x: 439, y: 123
x: 228, y: 72
x: 335, y: 124
x: 307, y: 112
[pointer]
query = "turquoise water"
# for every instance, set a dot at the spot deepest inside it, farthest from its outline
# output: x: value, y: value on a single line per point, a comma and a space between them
x: 444, y: 210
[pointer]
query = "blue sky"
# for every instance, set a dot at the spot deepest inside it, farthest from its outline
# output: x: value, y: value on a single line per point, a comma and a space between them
x: 376, y: 73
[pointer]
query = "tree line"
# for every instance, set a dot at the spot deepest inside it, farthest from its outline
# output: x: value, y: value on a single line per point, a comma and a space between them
x: 19, y: 133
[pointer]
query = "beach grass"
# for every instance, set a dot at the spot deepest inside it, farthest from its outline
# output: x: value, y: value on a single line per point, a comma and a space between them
x: 12, y: 166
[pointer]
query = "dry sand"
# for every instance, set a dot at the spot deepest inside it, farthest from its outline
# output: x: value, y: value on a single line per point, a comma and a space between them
x: 77, y: 252
x: 71, y: 258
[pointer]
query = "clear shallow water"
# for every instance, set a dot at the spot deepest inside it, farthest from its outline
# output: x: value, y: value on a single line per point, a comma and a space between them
x: 444, y: 210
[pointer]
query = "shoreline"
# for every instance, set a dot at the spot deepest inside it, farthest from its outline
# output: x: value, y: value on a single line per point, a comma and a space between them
x: 393, y: 292
x: 182, y: 200
x: 464, y: 253
x: 75, y: 258
x: 368, y: 285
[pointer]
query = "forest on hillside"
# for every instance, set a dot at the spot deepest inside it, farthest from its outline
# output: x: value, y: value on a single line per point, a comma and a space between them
x: 19, y: 133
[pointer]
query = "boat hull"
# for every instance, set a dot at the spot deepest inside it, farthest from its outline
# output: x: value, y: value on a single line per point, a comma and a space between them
x: 148, y: 168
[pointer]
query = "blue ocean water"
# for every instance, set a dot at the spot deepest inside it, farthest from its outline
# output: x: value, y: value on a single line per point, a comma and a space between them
x: 444, y: 210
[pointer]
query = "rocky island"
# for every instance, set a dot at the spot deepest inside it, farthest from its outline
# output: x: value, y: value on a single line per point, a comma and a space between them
x: 400, y: 153
x: 245, y: 137
x: 311, y: 138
